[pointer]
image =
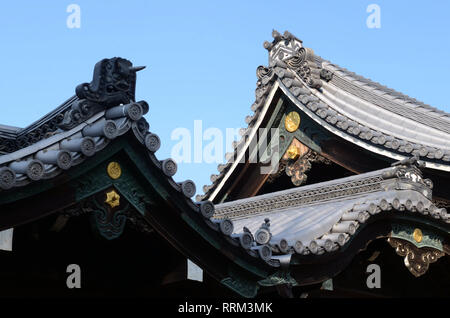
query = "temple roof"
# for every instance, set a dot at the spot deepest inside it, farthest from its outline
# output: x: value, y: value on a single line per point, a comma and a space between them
x: 60, y: 157
x: 78, y: 129
x: 62, y: 149
x: 323, y: 217
x: 363, y: 112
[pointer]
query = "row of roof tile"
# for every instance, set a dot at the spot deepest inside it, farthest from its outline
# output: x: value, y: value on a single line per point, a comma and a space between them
x: 280, y: 72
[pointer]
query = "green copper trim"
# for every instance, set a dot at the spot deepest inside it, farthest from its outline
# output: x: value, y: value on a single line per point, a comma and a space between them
x: 278, y: 278
x: 141, y: 163
x: 428, y: 239
x: 241, y: 284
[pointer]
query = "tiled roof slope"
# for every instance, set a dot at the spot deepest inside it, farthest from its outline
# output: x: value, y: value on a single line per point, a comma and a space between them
x: 374, y: 114
x: 14, y: 138
x: 389, y: 94
x: 308, y: 220
x: 90, y: 122
x: 357, y: 109
x: 323, y: 217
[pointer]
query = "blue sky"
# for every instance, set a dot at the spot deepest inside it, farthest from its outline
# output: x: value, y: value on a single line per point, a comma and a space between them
x: 201, y: 56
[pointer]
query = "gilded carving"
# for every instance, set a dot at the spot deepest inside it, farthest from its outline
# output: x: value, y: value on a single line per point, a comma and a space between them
x: 417, y: 235
x: 295, y: 150
x: 292, y: 121
x: 112, y: 198
x: 296, y: 169
x: 417, y: 260
x: 299, y: 158
x: 114, y: 170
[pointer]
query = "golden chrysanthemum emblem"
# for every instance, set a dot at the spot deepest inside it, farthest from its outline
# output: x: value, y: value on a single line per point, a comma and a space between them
x: 292, y: 121
x: 114, y: 170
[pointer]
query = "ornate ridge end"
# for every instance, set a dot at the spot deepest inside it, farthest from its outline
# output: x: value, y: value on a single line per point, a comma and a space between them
x: 288, y: 50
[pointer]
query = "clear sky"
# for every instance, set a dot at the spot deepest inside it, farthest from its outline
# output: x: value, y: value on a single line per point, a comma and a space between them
x: 201, y: 56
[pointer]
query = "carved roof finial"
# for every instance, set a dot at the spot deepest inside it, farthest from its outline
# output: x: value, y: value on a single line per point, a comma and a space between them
x: 113, y: 83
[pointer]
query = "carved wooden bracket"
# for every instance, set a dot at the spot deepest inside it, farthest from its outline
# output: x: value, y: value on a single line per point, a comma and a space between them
x: 298, y: 159
x: 109, y: 220
x: 109, y: 216
x: 417, y: 260
x: 297, y: 170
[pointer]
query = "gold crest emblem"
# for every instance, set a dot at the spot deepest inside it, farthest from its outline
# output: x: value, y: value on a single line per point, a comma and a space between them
x: 292, y: 121
x: 114, y: 170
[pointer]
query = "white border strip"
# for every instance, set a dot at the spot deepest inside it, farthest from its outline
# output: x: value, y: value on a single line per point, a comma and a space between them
x: 244, y: 149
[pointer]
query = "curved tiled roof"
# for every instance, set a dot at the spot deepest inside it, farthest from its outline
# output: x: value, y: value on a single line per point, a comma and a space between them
x: 392, y: 96
x: 357, y: 109
x: 302, y: 219
x: 64, y: 149
x: 14, y: 138
x: 362, y: 126
x: 366, y: 110
x: 68, y: 147
x: 323, y: 217
x: 81, y: 135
